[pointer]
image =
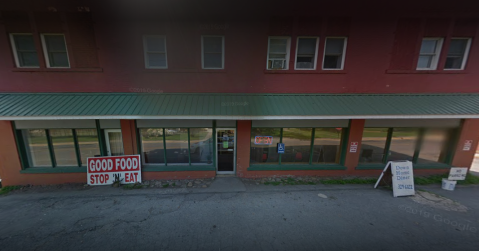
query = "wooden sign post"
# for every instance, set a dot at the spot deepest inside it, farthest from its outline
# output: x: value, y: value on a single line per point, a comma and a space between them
x: 402, y: 177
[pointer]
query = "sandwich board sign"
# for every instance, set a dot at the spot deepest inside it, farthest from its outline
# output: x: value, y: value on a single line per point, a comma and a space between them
x: 402, y: 177
x: 457, y: 173
x: 105, y: 170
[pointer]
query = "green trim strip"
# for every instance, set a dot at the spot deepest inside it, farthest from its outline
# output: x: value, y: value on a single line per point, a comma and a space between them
x: 215, y: 138
x: 138, y: 141
x: 312, y: 146
x: 189, y: 148
x: 173, y: 168
x: 295, y: 167
x: 63, y: 169
x: 388, y: 145
x: 415, y: 166
x: 344, y: 143
x: 50, y: 148
x: 164, y: 147
x: 77, y: 147
x: 100, y: 138
x: 280, y: 141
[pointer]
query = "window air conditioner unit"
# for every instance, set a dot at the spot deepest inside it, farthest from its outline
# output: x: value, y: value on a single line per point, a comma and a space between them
x: 277, y: 63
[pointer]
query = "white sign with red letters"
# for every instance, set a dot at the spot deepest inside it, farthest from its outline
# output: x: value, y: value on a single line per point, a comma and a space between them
x: 354, y: 147
x: 467, y: 145
x: 105, y: 170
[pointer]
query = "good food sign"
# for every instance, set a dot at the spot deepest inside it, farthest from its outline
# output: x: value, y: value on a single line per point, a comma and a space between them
x: 105, y: 170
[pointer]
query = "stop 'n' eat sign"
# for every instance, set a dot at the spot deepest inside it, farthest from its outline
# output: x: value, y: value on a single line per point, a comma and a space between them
x: 105, y: 170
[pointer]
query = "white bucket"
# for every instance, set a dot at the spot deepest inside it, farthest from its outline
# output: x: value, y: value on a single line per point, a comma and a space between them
x: 448, y: 184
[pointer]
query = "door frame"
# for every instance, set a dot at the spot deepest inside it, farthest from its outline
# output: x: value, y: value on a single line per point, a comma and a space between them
x: 234, y: 151
x: 107, y: 139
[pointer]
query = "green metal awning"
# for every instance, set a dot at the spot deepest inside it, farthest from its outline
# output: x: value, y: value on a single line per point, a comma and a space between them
x: 46, y: 106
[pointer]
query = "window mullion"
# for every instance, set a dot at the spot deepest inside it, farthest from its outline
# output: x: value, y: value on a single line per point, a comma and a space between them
x: 50, y: 148
x: 388, y: 144
x: 420, y: 138
x: 77, y: 147
x: 189, y: 148
x: 100, y: 138
x: 164, y: 146
x: 311, y: 150
x: 280, y: 141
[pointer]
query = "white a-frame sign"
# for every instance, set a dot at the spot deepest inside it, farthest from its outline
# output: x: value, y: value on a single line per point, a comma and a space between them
x: 402, y: 177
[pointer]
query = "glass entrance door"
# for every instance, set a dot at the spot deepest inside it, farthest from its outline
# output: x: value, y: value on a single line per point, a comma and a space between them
x: 225, y: 142
x: 114, y: 142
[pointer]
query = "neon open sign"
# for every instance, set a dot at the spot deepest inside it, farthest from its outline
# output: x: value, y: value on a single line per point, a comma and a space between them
x: 263, y: 140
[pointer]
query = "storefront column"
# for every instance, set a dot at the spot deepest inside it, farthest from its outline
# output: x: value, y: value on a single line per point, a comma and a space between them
x: 243, y: 141
x: 128, y: 133
x: 356, y: 127
x: 467, y: 144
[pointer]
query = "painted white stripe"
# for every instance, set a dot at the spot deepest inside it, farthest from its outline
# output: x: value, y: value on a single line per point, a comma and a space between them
x: 237, y: 117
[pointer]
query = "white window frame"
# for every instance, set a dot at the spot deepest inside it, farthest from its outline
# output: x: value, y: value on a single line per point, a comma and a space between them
x: 288, y: 50
x: 466, y: 53
x: 315, y: 54
x: 45, y: 51
x: 222, y: 53
x: 15, y: 54
x: 436, y: 54
x: 343, y: 56
x: 145, y: 53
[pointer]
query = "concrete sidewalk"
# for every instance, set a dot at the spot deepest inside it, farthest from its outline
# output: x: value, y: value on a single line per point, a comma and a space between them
x: 246, y: 217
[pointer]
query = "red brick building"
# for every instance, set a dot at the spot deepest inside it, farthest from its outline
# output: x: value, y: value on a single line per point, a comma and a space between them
x: 204, y: 88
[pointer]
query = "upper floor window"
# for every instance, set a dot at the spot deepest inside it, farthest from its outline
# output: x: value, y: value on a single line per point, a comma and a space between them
x: 55, y: 49
x: 429, y: 53
x: 306, y: 53
x: 334, y: 53
x: 155, y: 52
x: 24, y: 50
x: 457, y: 54
x: 213, y: 51
x: 278, y: 53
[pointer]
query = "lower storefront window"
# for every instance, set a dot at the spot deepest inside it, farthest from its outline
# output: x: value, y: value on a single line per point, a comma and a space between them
x: 300, y: 147
x: 201, y: 145
x: 433, y: 147
x: 88, y: 144
x: 38, y: 152
x: 63, y: 147
x: 373, y: 145
x: 177, y: 145
x: 297, y: 142
x: 183, y: 146
x: 327, y: 145
x: 419, y: 145
x: 403, y: 143
x: 263, y: 145
x: 152, y: 146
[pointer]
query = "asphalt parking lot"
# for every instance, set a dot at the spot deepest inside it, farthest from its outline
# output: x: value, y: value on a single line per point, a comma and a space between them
x: 244, y: 216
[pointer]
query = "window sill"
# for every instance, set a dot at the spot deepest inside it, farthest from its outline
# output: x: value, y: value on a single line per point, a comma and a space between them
x: 305, y: 71
x: 415, y: 166
x: 184, y: 71
x: 427, y: 72
x: 174, y: 168
x: 63, y: 169
x: 57, y: 70
x: 292, y: 167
